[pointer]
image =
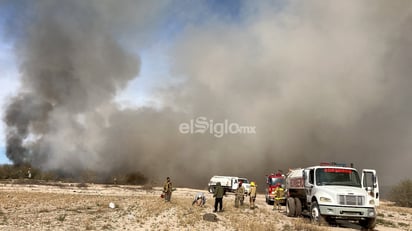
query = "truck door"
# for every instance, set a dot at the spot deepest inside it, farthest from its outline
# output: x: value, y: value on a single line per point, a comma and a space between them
x: 234, y: 184
x: 309, y: 179
x: 370, y: 183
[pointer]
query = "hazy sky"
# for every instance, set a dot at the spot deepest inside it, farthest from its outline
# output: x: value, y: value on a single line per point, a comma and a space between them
x: 105, y: 85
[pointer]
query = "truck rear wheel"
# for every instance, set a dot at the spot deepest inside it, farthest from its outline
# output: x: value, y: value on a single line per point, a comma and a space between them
x: 368, y: 223
x: 298, y: 207
x: 211, y: 189
x: 290, y: 207
x: 315, y: 215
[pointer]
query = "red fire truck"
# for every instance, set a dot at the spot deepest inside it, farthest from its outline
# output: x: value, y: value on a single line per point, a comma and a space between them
x: 273, y: 181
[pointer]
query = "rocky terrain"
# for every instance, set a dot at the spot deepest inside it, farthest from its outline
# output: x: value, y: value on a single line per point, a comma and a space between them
x: 65, y: 206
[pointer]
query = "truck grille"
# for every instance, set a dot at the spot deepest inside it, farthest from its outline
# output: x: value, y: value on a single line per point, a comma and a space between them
x: 351, y: 200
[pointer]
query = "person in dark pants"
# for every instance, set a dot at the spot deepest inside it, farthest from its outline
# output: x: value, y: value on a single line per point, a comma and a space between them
x: 167, y: 189
x: 240, y: 195
x: 218, y: 195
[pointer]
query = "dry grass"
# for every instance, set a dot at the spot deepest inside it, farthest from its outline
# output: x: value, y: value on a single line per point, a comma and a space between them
x: 305, y: 225
x: 391, y: 216
x: 390, y: 206
x: 86, y: 208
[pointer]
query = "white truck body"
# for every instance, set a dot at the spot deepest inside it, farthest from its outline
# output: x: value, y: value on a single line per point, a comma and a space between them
x: 229, y: 183
x: 245, y: 183
x: 327, y: 193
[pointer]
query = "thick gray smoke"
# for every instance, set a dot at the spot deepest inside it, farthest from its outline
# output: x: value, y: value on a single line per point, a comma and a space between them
x: 71, y: 68
x: 321, y: 81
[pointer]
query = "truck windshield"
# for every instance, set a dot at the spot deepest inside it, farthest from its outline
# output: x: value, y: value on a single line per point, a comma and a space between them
x: 244, y: 180
x: 337, y: 176
x: 275, y: 181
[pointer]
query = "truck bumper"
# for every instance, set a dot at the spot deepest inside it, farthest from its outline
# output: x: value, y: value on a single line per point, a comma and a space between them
x: 347, y: 211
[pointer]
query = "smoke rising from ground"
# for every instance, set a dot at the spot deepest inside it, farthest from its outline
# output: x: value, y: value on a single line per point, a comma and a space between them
x: 320, y: 81
x: 71, y: 67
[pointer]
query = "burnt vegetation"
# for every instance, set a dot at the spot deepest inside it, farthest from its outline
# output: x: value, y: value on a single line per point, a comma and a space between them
x: 401, y: 193
x: 24, y: 173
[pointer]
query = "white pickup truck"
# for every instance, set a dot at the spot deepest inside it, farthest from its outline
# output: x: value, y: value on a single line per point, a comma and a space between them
x: 327, y: 193
x: 229, y: 183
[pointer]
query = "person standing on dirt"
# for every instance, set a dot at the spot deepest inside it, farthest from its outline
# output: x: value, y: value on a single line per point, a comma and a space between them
x: 279, y: 197
x: 218, y: 195
x: 29, y: 173
x: 240, y: 195
x: 167, y: 189
x: 252, y: 195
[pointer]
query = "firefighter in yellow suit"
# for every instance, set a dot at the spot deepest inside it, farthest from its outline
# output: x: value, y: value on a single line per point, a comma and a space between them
x: 279, y: 197
x: 252, y: 195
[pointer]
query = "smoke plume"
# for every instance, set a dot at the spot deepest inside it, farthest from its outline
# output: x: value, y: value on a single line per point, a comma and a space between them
x: 321, y: 81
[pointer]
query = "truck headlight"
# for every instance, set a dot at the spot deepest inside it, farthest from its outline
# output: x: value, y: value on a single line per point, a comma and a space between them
x: 273, y: 192
x: 325, y: 199
x: 371, y: 212
x: 372, y: 202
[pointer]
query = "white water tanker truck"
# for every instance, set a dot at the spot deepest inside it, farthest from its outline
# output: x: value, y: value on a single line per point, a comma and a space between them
x: 331, y: 192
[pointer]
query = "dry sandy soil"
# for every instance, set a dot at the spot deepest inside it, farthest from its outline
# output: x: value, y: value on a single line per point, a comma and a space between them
x: 63, y: 206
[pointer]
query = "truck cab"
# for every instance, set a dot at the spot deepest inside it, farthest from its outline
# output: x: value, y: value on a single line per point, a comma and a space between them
x: 229, y: 183
x: 245, y: 183
x: 273, y: 181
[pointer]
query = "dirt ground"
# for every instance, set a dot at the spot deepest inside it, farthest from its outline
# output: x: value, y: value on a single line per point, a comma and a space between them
x: 64, y: 206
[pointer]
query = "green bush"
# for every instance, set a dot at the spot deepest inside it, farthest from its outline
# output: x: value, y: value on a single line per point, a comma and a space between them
x: 401, y: 193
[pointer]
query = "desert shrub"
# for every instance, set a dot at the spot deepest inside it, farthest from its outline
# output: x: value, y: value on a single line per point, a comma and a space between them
x: 135, y: 178
x: 148, y: 186
x: 386, y: 223
x: 8, y: 171
x: 401, y: 193
x: 61, y: 217
x: 82, y: 185
x: 304, y: 225
x: 4, y: 173
x: 88, y: 176
x: 47, y: 176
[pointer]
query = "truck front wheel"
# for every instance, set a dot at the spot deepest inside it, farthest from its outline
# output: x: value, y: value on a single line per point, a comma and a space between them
x: 368, y: 223
x: 290, y: 207
x: 315, y: 215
